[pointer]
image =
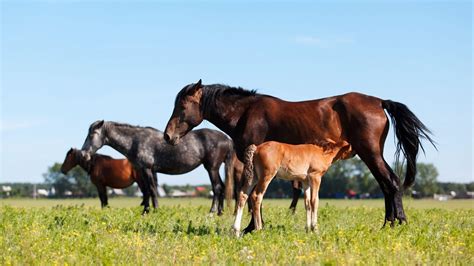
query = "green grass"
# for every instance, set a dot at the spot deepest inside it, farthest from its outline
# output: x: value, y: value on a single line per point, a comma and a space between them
x: 181, y: 232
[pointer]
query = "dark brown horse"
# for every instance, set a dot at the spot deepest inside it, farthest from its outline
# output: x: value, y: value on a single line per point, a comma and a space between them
x: 104, y: 171
x: 251, y: 118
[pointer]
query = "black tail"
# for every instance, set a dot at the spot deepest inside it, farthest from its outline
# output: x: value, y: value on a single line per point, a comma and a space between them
x: 409, y: 131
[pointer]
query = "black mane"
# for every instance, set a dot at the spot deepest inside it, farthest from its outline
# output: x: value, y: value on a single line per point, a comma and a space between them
x: 129, y: 126
x: 210, y: 92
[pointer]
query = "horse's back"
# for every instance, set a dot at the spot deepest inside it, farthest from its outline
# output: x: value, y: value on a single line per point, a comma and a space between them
x: 115, y: 173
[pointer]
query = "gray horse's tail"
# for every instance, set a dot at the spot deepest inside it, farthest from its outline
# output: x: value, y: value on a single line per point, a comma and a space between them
x: 229, y: 177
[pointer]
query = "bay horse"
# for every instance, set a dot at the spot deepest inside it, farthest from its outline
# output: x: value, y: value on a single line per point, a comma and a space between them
x: 146, y: 148
x: 305, y: 163
x: 359, y: 119
x: 104, y: 171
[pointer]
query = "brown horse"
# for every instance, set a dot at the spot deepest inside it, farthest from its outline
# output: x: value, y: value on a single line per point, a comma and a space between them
x: 251, y: 118
x: 305, y: 163
x: 104, y: 171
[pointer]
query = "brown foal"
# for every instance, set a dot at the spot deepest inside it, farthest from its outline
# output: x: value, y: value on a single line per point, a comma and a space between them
x: 305, y: 163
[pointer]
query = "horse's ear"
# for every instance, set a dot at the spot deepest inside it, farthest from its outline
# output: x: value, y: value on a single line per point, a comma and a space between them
x: 196, y: 86
x: 100, y: 124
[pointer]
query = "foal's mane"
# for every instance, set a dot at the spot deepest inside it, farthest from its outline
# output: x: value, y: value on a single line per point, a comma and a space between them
x: 327, y: 146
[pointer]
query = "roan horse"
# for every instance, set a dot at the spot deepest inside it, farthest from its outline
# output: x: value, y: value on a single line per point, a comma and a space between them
x: 147, y: 150
x: 305, y: 163
x: 104, y: 171
x: 251, y: 118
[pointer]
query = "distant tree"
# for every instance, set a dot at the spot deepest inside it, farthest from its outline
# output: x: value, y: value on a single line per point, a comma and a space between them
x: 77, y: 181
x: 130, y: 191
x: 166, y: 188
x: 470, y: 186
x: 426, y: 179
x: 361, y: 179
x: 279, y: 188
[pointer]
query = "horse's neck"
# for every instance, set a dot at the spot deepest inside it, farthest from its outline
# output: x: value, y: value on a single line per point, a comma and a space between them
x: 120, y: 139
x: 86, y: 165
x: 226, y: 112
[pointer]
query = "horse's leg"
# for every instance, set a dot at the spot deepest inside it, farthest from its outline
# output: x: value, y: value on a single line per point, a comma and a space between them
x: 237, y: 187
x: 389, y: 183
x: 102, y: 190
x: 246, y: 188
x: 147, y: 182
x: 154, y: 191
x: 296, y: 195
x: 217, y: 189
x: 141, y: 187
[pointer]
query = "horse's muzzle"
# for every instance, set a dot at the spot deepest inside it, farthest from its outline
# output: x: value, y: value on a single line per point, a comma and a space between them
x: 171, y: 140
x: 86, y: 156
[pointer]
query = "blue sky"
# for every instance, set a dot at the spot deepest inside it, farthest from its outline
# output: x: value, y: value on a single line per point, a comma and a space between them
x: 67, y: 64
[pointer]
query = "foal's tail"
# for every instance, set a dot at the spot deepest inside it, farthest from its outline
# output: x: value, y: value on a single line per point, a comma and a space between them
x: 248, y: 164
x: 229, y: 177
x: 409, y: 131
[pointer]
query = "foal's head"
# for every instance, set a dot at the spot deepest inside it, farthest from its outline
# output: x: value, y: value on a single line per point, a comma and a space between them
x: 95, y: 139
x: 187, y: 113
x: 70, y: 161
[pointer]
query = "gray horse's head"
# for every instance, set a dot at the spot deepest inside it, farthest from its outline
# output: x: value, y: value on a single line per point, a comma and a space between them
x: 95, y: 139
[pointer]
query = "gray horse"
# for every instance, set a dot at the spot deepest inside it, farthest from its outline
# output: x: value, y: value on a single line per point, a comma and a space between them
x: 146, y: 148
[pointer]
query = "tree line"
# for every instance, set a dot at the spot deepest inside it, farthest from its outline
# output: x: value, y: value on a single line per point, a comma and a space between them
x: 348, y: 178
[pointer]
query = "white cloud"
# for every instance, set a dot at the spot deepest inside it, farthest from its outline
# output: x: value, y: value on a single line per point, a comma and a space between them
x: 308, y: 40
x: 17, y: 125
x: 322, y: 42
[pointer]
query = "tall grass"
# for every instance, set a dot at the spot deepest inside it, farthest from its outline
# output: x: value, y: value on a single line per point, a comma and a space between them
x: 182, y: 232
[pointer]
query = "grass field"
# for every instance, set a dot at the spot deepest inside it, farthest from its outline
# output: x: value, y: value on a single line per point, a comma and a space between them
x: 182, y: 232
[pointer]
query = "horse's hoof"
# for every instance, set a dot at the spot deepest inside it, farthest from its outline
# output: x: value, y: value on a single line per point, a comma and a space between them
x: 248, y: 230
x: 236, y: 232
x: 145, y: 211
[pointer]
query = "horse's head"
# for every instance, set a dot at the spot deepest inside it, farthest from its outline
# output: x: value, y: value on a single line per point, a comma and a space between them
x: 70, y: 161
x: 95, y: 139
x: 187, y: 113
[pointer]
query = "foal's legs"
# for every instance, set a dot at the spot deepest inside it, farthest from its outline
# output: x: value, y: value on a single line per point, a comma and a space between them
x: 314, y: 182
x: 217, y: 189
x: 307, y: 205
x: 257, y: 197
